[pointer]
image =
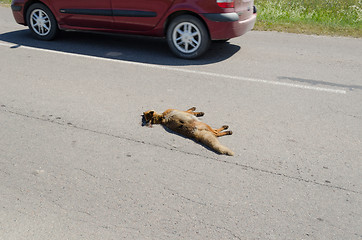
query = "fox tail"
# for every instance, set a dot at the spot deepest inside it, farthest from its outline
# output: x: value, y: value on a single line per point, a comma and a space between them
x: 211, y: 141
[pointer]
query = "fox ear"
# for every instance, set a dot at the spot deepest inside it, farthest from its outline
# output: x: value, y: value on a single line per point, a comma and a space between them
x: 151, y: 112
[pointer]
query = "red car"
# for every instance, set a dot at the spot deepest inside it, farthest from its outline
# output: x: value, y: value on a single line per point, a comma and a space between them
x: 188, y: 25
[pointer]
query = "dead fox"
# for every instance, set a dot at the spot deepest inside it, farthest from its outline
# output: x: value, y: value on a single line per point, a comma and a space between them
x: 187, y: 124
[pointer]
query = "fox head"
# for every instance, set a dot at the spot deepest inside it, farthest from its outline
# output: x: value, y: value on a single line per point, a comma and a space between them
x: 151, y: 117
x: 148, y: 115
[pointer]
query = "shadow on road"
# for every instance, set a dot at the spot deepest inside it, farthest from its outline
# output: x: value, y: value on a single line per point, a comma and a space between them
x: 120, y: 47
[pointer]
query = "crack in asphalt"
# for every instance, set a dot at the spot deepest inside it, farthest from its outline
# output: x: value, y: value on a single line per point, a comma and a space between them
x: 176, y: 193
x: 226, y: 229
x: 244, y: 166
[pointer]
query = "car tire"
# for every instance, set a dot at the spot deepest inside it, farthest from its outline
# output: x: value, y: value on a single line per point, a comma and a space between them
x: 221, y: 41
x: 188, y: 37
x: 41, y: 22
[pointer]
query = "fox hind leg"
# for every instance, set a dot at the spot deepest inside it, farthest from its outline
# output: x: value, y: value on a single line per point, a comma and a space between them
x: 220, y: 134
x: 221, y: 129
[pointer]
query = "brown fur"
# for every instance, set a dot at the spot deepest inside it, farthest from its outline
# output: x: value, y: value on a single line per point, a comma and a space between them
x: 187, y: 124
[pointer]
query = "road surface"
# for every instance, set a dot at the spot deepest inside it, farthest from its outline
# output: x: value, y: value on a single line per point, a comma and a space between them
x: 75, y: 162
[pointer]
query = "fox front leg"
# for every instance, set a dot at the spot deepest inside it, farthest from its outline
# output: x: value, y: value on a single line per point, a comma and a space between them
x: 191, y: 109
x: 197, y: 114
x: 220, y: 134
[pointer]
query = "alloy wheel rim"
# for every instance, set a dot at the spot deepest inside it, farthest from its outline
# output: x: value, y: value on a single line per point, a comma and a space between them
x: 40, y: 22
x: 186, y: 37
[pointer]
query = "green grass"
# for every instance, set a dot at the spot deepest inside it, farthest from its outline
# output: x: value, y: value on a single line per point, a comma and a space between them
x: 5, y: 1
x: 324, y: 17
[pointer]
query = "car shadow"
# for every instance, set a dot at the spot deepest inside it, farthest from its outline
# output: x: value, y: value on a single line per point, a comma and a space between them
x: 119, y: 47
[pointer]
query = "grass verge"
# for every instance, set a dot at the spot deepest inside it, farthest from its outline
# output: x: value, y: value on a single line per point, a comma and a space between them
x: 7, y: 2
x: 321, y: 17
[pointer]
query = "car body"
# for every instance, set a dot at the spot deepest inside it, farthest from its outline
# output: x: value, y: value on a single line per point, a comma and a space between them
x: 188, y: 25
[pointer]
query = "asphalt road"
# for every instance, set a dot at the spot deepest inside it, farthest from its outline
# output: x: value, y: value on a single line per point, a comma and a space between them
x: 75, y: 162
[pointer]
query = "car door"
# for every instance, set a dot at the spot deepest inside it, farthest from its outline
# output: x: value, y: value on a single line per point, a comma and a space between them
x: 85, y: 13
x: 138, y: 15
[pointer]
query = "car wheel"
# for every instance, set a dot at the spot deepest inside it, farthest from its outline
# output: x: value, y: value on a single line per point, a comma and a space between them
x: 188, y: 37
x: 41, y: 22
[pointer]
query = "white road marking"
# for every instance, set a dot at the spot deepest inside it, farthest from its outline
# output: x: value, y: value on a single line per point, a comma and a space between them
x: 320, y: 89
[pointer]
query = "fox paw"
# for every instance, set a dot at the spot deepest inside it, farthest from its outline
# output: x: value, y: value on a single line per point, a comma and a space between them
x: 225, y: 127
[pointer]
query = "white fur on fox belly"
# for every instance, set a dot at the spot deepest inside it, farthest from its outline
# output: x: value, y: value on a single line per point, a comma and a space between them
x: 180, y: 115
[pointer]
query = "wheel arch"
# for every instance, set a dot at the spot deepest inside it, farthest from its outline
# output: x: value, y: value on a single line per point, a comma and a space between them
x: 183, y: 12
x: 29, y: 3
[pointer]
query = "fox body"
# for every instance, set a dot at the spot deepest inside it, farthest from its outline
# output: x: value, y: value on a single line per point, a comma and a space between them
x: 187, y: 124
